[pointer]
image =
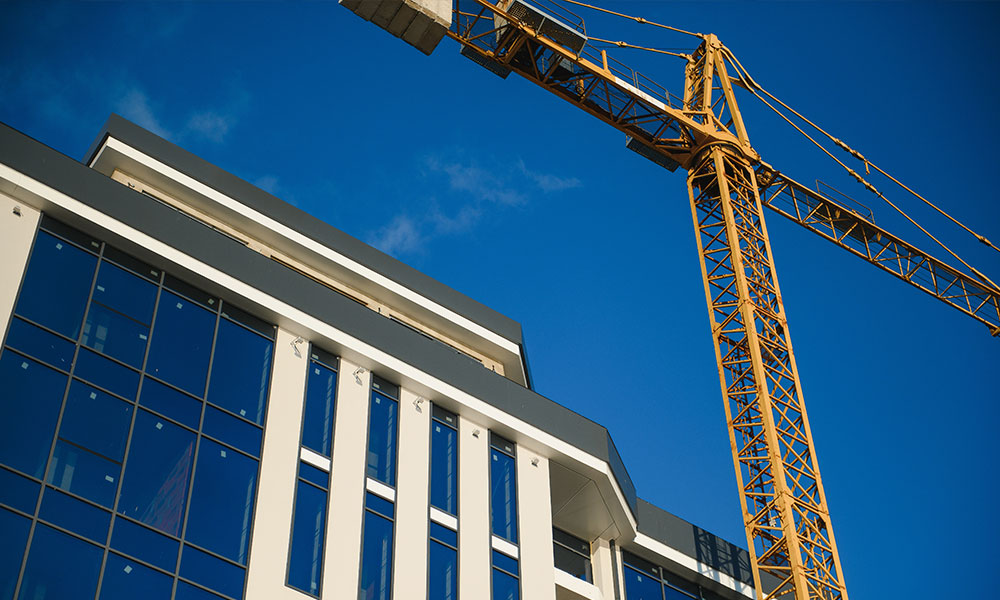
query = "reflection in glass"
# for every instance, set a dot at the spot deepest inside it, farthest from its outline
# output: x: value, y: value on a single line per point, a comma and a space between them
x: 639, y: 586
x: 96, y: 421
x: 126, y: 579
x: 124, y: 293
x: 18, y: 492
x: 227, y: 428
x: 78, y: 566
x: 503, y: 496
x: 75, y: 515
x: 106, y: 374
x: 505, y: 586
x: 32, y: 395
x: 241, y: 368
x: 156, y: 478
x: 170, y: 402
x: 84, y: 473
x: 222, y: 501
x: 382, y: 439
x: 146, y: 544
x: 181, y: 343
x: 56, y: 285
x: 444, y: 467
x: 317, y: 423
x: 211, y: 572
x: 305, y: 563
x: 14, y: 533
x: 442, y: 572
x: 35, y: 341
x: 114, y: 334
x: 376, y: 559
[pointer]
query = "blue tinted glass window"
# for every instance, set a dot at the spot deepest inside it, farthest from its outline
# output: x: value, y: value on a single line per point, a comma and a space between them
x: 158, y: 468
x: 503, y: 495
x: 505, y: 587
x: 376, y: 559
x: 84, y: 473
x: 222, y: 501
x: 79, y: 564
x: 181, y: 343
x: 444, y: 467
x: 125, y: 579
x: 75, y: 515
x: 32, y: 395
x: 145, y: 544
x: 639, y: 586
x: 18, y: 492
x: 96, y: 421
x: 671, y: 594
x: 125, y: 293
x: 317, y: 476
x: 35, y: 341
x: 382, y: 439
x: 211, y: 572
x: 241, y: 369
x: 186, y: 591
x: 442, y: 572
x: 305, y: 563
x: 380, y: 505
x: 14, y: 533
x: 56, y: 285
x: 317, y: 422
x: 444, y: 534
x: 170, y: 402
x: 107, y: 374
x: 502, y: 561
x: 115, y: 334
x: 233, y: 431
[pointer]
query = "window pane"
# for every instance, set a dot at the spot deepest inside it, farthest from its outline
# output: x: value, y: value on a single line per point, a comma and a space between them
x: 157, y: 471
x: 379, y: 505
x: 222, y: 501
x: 505, y: 587
x: 171, y: 403
x: 77, y: 516
x: 376, y: 559
x: 78, y: 566
x: 241, y: 369
x: 503, y: 495
x: 211, y: 572
x: 314, y: 475
x: 125, y: 293
x: 96, y: 421
x: 444, y: 468
x: 145, y: 544
x: 229, y: 429
x: 106, y: 374
x: 639, y: 586
x: 317, y: 423
x: 382, y: 439
x: 41, y: 344
x: 502, y: 561
x: 56, y: 285
x: 443, y: 573
x: 305, y: 563
x: 126, y: 579
x: 18, y: 492
x: 444, y: 534
x: 83, y: 473
x: 571, y: 562
x: 14, y: 533
x: 181, y: 344
x: 115, y: 334
x: 186, y: 591
x: 32, y: 397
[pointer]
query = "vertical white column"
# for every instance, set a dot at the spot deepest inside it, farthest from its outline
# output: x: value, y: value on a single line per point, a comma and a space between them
x: 600, y: 559
x: 409, y: 579
x: 16, y: 235
x: 278, y: 466
x: 347, y: 486
x: 473, y: 511
x: 534, y: 508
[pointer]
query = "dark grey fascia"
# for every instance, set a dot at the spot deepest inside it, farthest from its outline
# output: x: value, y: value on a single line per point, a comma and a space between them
x: 230, y: 185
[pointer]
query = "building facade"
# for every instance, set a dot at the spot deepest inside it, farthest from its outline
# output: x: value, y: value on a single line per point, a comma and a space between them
x: 208, y: 394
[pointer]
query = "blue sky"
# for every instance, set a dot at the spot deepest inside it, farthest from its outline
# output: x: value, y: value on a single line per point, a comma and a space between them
x: 534, y: 208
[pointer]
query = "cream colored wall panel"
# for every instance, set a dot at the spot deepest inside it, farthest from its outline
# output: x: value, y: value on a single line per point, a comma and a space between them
x: 413, y: 474
x: 347, y: 485
x: 16, y: 235
x: 473, y: 510
x: 276, y: 488
x: 534, y: 510
x: 600, y: 560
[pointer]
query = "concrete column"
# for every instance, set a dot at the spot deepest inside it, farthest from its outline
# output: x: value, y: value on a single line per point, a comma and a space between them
x: 409, y: 566
x: 347, y: 486
x: 473, y: 511
x: 16, y: 236
x: 534, y: 511
x: 600, y: 559
x: 279, y: 463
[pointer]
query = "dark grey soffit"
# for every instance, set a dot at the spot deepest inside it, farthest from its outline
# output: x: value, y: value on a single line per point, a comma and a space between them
x: 94, y: 189
x: 226, y: 183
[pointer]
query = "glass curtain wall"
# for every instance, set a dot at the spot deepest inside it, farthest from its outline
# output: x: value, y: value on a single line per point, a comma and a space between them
x: 503, y: 519
x: 130, y: 429
x: 379, y: 518
x: 443, y: 549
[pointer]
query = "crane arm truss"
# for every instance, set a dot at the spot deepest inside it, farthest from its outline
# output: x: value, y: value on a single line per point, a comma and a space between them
x: 861, y: 237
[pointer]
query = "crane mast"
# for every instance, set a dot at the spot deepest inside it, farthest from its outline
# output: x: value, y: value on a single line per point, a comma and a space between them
x: 788, y: 526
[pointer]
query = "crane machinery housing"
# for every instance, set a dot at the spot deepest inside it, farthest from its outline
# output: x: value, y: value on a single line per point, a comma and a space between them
x: 785, y: 514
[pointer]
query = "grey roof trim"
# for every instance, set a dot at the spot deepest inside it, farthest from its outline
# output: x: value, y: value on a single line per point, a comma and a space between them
x: 226, y: 183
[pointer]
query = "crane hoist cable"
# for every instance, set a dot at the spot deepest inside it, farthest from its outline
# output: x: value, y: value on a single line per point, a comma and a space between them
x: 640, y: 20
x: 635, y: 47
x: 751, y: 83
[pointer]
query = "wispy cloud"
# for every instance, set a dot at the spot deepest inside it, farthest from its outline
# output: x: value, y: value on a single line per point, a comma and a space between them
x: 547, y: 182
x: 213, y: 125
x: 210, y: 125
x: 134, y: 105
x: 401, y: 236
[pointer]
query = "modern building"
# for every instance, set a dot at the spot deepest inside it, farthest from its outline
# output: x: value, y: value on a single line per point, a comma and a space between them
x: 207, y: 393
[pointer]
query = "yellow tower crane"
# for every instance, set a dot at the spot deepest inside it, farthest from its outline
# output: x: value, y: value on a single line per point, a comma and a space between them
x: 789, y: 531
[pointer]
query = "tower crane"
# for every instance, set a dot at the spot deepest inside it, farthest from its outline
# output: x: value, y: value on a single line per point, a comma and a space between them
x: 788, y: 526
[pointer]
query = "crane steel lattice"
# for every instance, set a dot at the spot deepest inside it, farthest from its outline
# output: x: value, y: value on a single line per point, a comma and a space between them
x: 788, y: 525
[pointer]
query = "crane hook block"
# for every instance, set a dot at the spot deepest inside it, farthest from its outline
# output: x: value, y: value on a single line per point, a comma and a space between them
x: 420, y: 23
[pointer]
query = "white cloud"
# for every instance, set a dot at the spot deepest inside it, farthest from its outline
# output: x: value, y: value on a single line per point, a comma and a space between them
x: 548, y: 182
x: 134, y: 105
x: 209, y: 125
x: 268, y: 183
x: 401, y: 236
